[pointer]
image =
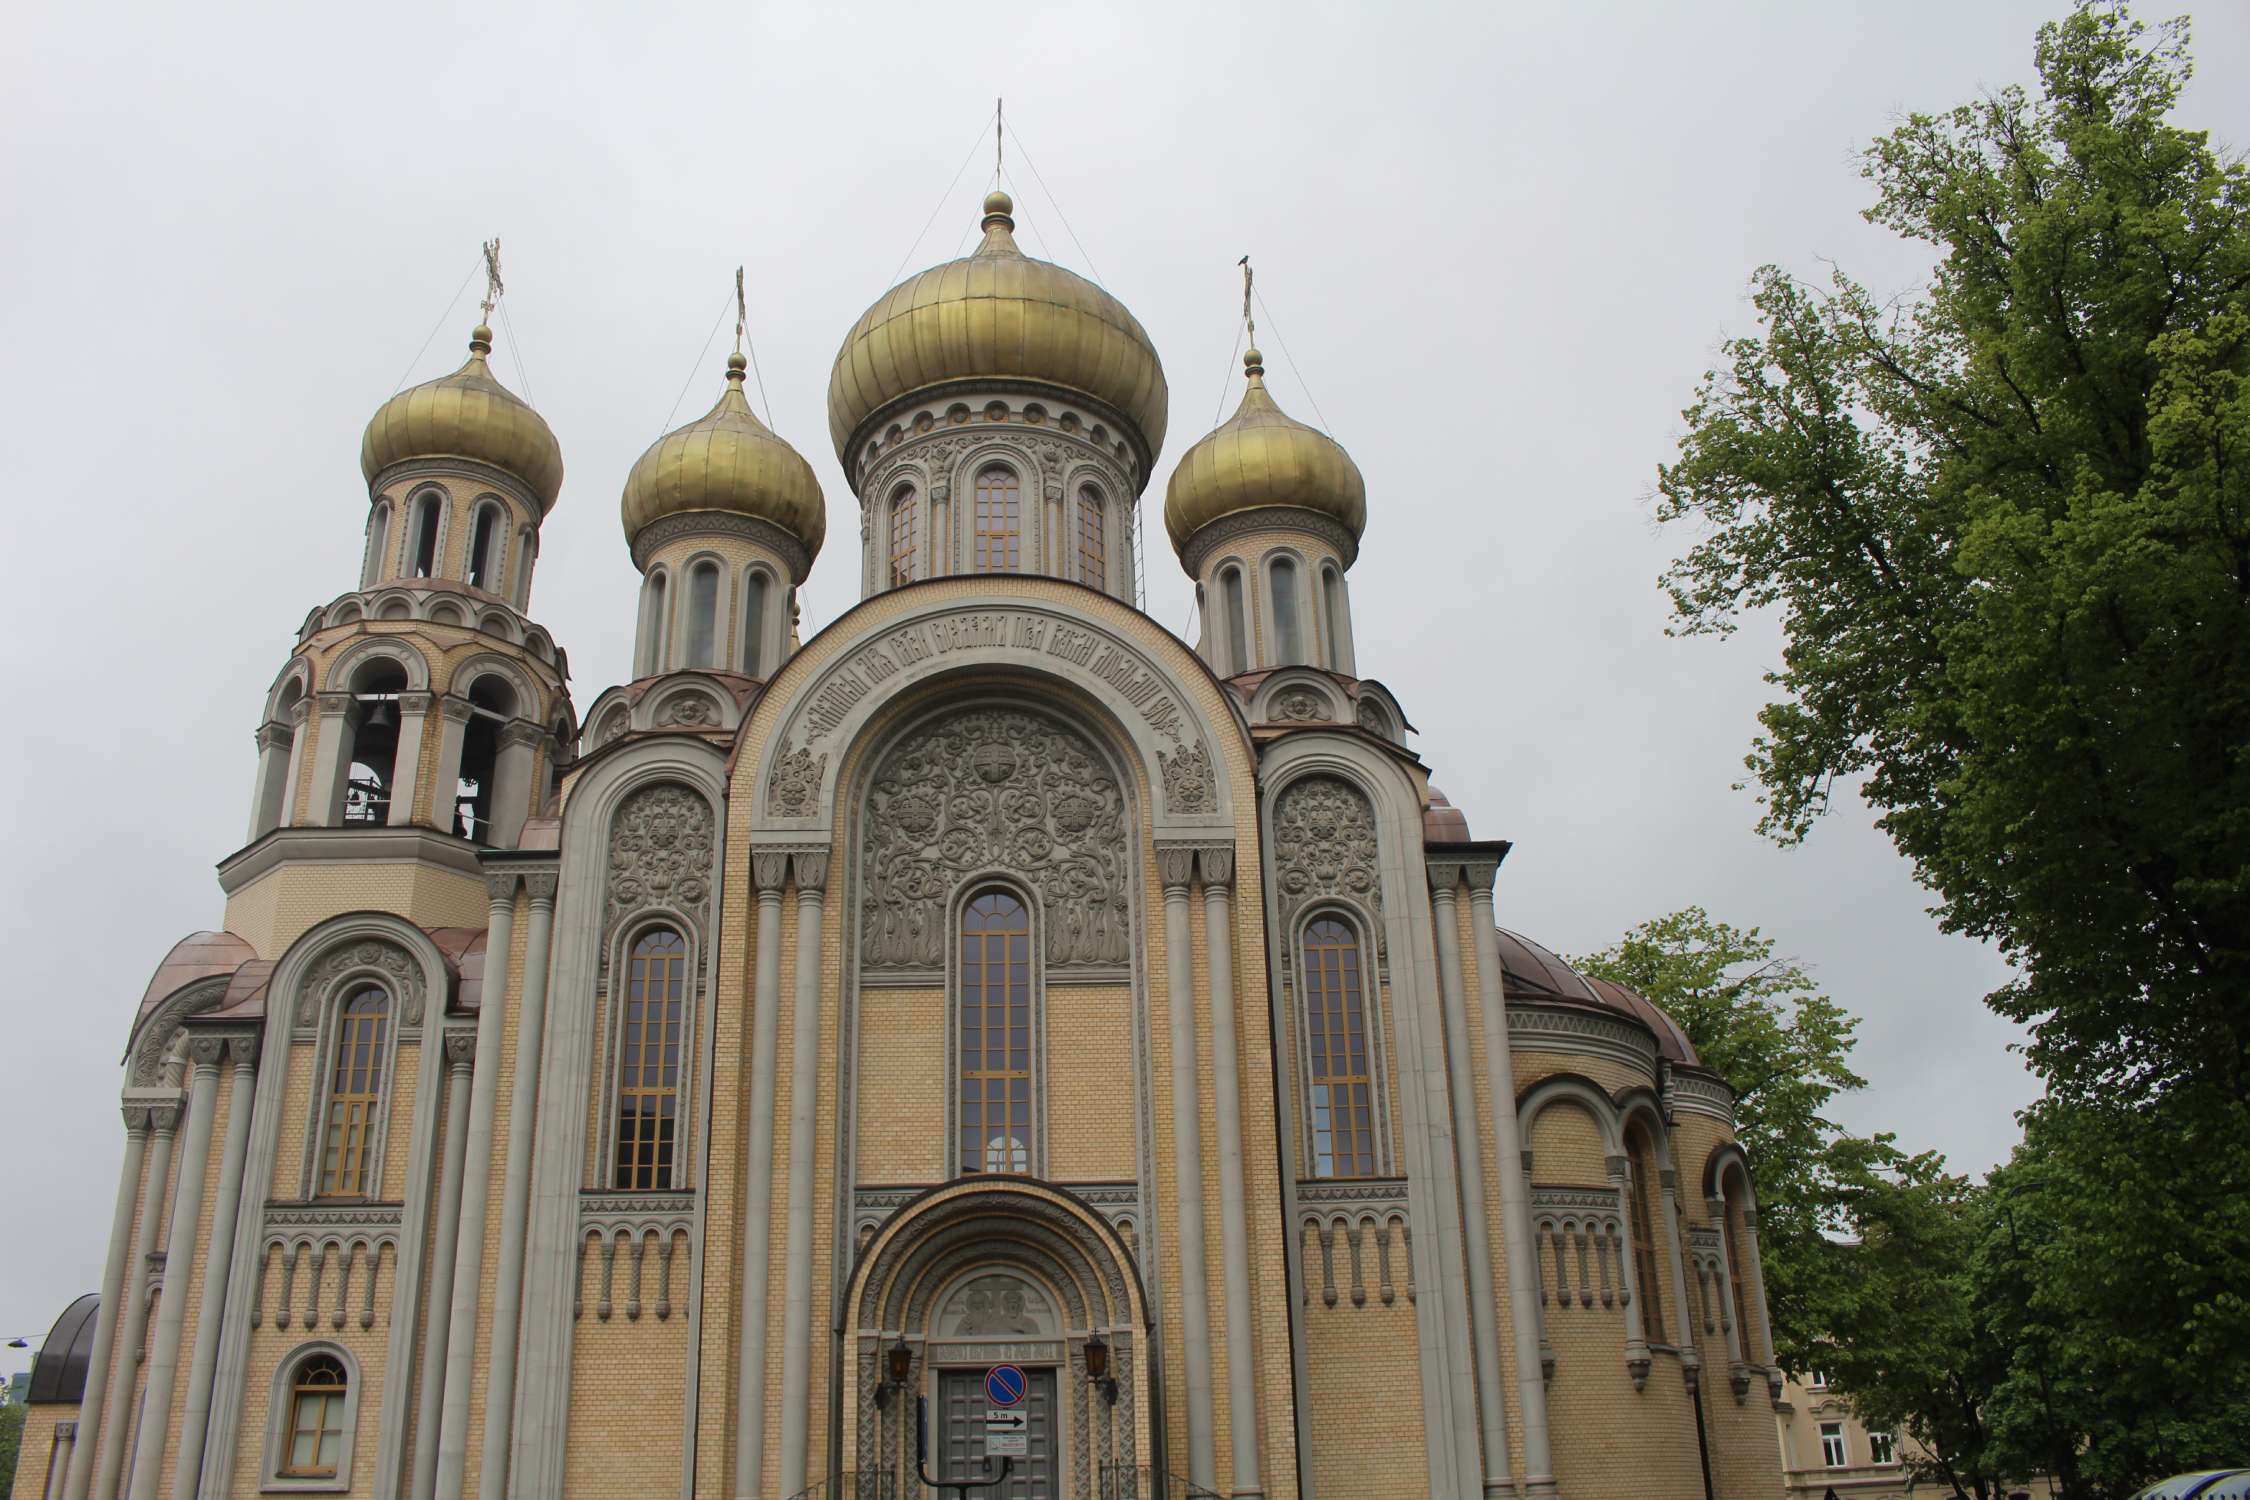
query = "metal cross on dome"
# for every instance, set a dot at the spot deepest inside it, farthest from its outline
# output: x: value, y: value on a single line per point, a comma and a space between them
x: 492, y: 286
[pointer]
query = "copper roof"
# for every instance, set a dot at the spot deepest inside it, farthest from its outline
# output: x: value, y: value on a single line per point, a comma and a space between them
x: 1670, y: 1039
x: 1536, y: 973
x: 199, y: 955
x: 59, y: 1373
x: 1443, y: 823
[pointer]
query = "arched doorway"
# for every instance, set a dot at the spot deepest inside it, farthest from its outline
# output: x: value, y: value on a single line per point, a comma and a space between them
x: 975, y: 1274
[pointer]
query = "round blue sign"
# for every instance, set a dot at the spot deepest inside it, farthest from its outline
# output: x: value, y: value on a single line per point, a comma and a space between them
x: 1004, y: 1385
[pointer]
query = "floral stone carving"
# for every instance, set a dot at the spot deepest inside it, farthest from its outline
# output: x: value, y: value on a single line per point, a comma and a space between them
x: 660, y: 851
x: 994, y: 789
x: 1324, y: 846
x: 1189, y: 786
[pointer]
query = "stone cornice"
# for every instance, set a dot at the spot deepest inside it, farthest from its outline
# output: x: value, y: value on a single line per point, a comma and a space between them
x: 408, y: 472
x: 286, y: 846
x: 1570, y: 1028
x: 1228, y: 528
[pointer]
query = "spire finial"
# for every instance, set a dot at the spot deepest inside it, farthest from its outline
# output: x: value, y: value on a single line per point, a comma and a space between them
x: 999, y: 133
x: 1253, y: 363
x: 492, y: 286
x: 741, y: 310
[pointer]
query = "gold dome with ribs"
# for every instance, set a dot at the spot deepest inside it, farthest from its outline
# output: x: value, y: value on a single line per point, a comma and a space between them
x: 467, y: 414
x: 727, y: 460
x: 1258, y: 457
x: 996, y: 313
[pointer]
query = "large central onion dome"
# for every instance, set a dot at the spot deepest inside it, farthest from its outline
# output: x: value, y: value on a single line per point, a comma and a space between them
x: 1262, y: 456
x: 727, y: 460
x: 998, y: 313
x: 467, y: 414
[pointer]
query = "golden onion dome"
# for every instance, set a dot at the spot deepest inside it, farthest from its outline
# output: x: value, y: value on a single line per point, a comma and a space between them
x: 467, y: 414
x: 1262, y: 456
x: 997, y: 313
x: 727, y: 460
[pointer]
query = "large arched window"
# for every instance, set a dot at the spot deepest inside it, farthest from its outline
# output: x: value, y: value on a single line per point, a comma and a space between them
x: 905, y: 505
x: 1641, y: 1157
x: 999, y: 521
x: 754, y: 624
x: 702, y: 615
x: 648, y: 1060
x: 995, y: 1125
x: 355, y: 1094
x: 317, y: 1397
x: 1288, y: 629
x: 1343, y: 1121
x: 1237, y: 623
x: 1093, y: 561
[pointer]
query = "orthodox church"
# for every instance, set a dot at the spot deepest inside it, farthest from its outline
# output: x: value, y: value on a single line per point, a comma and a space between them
x: 704, y: 1095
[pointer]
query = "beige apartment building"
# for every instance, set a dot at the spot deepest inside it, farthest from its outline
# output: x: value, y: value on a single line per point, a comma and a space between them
x: 673, y: 1097
x: 1824, y: 1449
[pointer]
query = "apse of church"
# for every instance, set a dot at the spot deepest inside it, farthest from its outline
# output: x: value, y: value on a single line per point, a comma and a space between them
x: 695, y: 1096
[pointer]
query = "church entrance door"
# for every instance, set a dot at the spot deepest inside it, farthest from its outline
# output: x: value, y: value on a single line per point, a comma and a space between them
x: 962, y: 1404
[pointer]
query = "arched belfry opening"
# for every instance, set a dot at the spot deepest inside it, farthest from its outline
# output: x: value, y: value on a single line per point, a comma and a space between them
x: 1013, y: 1271
x: 372, y: 781
x: 492, y: 703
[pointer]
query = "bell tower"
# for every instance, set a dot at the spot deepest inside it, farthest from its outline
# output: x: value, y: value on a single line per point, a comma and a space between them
x: 421, y: 715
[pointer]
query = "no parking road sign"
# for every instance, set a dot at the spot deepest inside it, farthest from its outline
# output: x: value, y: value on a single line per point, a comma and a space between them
x: 1004, y: 1385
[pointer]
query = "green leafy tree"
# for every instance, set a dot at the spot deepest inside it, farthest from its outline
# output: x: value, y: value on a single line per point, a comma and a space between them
x: 1784, y: 1047
x: 11, y: 1443
x: 2005, y: 526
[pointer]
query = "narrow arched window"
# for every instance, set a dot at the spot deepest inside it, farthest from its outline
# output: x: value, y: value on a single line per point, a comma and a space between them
x: 484, y: 547
x: 1733, y: 1231
x: 999, y: 521
x: 905, y: 508
x: 1092, y: 554
x: 1288, y: 632
x: 703, y: 615
x: 995, y: 1034
x: 316, y: 1419
x: 428, y: 513
x: 1642, y: 1158
x: 378, y: 543
x: 355, y: 1093
x: 652, y: 634
x: 1339, y: 634
x: 754, y: 625
x: 1238, y: 625
x: 1343, y: 1129
x: 648, y: 1060
x: 527, y: 548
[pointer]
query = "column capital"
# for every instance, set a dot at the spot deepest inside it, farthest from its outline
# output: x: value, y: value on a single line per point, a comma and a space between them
x: 275, y: 735
x: 460, y: 1047
x: 811, y: 868
x: 1750, y: 1221
x: 136, y: 1116
x: 335, y: 703
x: 769, y: 871
x: 299, y: 711
x: 523, y: 732
x: 1480, y: 874
x: 1618, y: 1167
x: 941, y: 488
x: 243, y: 1048
x: 500, y: 885
x: 164, y: 1119
x: 1667, y: 1179
x: 1216, y: 863
x: 1175, y: 866
x: 540, y: 883
x: 415, y: 703
x: 456, y: 709
x: 206, y: 1052
x: 1445, y: 877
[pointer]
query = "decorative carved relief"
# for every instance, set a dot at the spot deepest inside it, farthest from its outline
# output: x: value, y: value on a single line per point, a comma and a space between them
x: 794, y: 788
x: 998, y: 1307
x: 994, y: 789
x: 1299, y: 704
x: 660, y: 850
x: 690, y: 711
x: 158, y: 1032
x: 1189, y: 782
x: 373, y: 956
x: 1324, y: 845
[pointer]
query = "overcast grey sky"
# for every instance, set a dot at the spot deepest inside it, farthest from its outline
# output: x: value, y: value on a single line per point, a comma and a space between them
x: 1498, y: 242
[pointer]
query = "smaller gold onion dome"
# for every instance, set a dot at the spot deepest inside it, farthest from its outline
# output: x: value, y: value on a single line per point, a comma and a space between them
x: 467, y: 414
x: 727, y: 460
x: 1262, y: 456
x: 994, y: 315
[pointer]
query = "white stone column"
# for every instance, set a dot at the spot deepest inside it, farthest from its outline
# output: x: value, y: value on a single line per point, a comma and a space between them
x: 324, y: 805
x: 769, y: 872
x: 476, y: 1183
x: 1468, y: 1142
x: 1057, y: 533
x: 445, y: 788
x: 811, y: 868
x: 1176, y: 867
x: 941, y: 527
x: 1689, y: 1340
x: 1515, y: 1192
x: 429, y: 1393
x: 1217, y: 861
x: 204, y: 1054
x: 164, y: 1124
x: 515, y: 1201
x: 195, y: 1420
x: 269, y: 793
x: 300, y: 713
x: 512, y: 793
x: 91, y: 1406
x: 406, y: 766
x: 1628, y: 1273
